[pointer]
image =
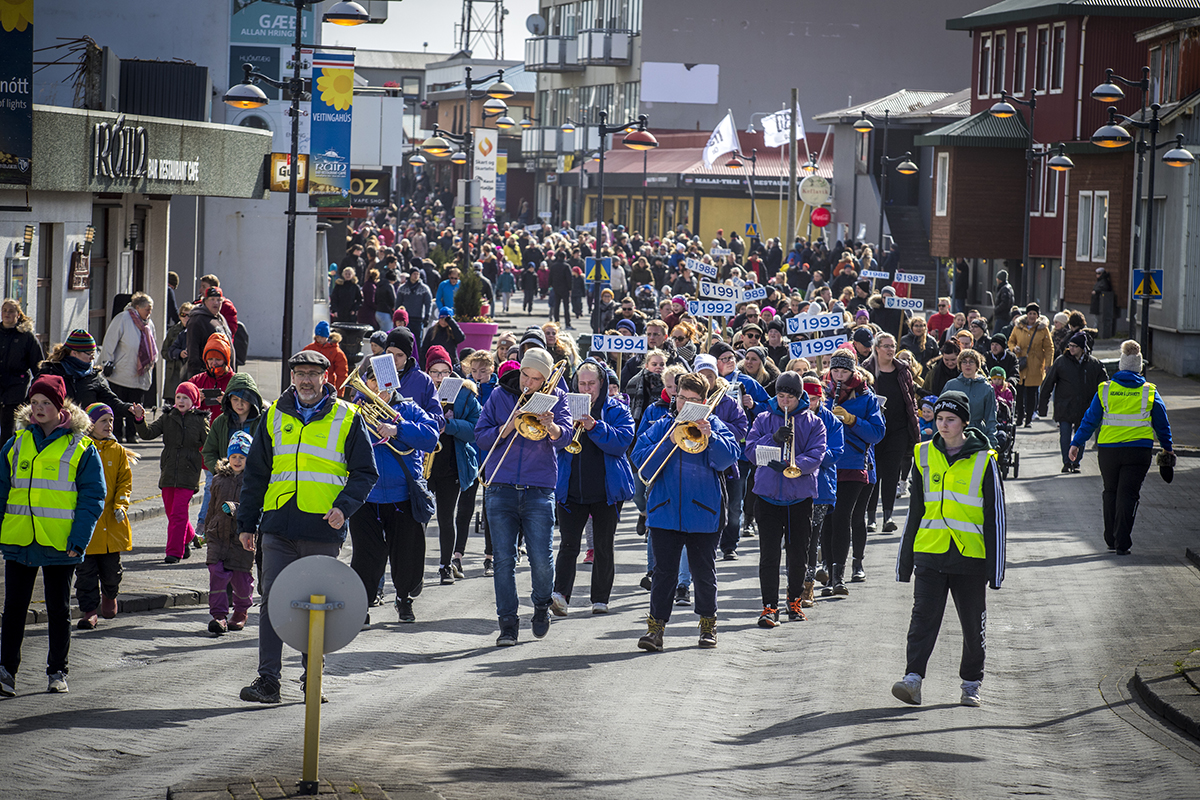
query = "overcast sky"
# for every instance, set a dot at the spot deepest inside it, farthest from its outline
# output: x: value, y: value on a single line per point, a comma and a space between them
x: 413, y: 23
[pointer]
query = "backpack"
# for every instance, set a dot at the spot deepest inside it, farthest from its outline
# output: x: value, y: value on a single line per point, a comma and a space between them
x: 241, y: 344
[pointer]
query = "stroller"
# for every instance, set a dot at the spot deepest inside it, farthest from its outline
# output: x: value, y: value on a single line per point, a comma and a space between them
x: 1006, y: 439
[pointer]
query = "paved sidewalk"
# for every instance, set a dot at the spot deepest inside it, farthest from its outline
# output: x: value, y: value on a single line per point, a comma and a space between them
x: 270, y: 787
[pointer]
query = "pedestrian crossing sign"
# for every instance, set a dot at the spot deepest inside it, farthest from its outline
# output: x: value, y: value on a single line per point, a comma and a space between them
x: 751, y: 229
x: 1147, y: 283
x: 597, y: 269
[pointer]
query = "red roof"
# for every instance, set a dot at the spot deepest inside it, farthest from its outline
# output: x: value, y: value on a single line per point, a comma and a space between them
x: 679, y: 153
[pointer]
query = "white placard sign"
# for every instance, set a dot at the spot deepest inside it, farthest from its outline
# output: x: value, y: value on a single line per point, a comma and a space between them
x: 618, y: 344
x: 710, y: 308
x: 875, y: 274
x: 719, y: 291
x: 815, y: 347
x: 539, y: 403
x: 754, y: 293
x: 701, y: 268
x: 910, y: 277
x: 815, y: 323
x: 384, y: 368
x: 719, y: 252
x: 765, y: 454
x: 448, y: 391
x: 906, y: 303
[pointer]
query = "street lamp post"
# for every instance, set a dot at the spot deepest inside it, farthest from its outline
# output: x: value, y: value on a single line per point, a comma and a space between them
x: 864, y: 125
x: 1003, y: 110
x: 737, y: 161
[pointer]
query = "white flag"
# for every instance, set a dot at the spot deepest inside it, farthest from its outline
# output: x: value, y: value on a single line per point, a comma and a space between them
x: 723, y: 140
x: 775, y: 127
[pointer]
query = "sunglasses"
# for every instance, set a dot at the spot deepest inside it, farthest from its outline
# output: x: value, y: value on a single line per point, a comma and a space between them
x: 750, y: 335
x: 680, y: 338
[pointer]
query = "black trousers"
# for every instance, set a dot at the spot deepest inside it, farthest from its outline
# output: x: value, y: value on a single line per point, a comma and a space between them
x: 1123, y: 470
x: 848, y: 512
x: 565, y: 302
x: 527, y: 305
x: 454, y: 511
x: 822, y: 524
x: 890, y: 455
x: 1027, y: 399
x: 383, y: 532
x: 929, y: 604
x: 572, y: 519
x: 782, y: 527
x: 8, y: 420
x: 701, y: 554
x: 750, y: 499
x: 99, y: 571
x: 123, y: 426
x: 18, y: 591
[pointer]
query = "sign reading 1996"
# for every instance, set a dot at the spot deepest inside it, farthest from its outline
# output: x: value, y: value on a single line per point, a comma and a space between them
x: 815, y: 347
x: 618, y: 344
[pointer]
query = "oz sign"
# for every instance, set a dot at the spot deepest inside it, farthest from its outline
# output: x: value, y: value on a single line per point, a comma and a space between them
x: 370, y: 188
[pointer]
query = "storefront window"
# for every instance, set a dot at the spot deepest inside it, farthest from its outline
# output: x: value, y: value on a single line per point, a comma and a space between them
x: 652, y: 229
x: 623, y: 212
x: 668, y: 216
x: 639, y: 216
x: 685, y: 217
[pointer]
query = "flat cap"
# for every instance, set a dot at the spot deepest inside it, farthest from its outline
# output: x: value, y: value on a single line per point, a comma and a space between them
x: 308, y: 358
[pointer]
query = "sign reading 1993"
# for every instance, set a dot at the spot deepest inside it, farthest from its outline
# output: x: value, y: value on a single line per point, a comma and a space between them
x: 814, y: 323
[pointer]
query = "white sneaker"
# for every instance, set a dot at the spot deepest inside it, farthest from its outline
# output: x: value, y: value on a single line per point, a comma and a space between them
x: 970, y: 694
x: 599, y: 608
x: 8, y: 684
x: 558, y: 605
x: 58, y: 683
x: 908, y: 689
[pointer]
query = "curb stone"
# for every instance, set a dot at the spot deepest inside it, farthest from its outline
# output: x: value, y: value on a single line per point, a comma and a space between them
x: 1168, y: 684
x: 263, y: 787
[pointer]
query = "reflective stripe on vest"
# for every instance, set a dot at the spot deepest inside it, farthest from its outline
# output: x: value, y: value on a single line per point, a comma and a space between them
x: 309, y: 461
x: 1126, y: 412
x: 43, y: 494
x: 953, y: 502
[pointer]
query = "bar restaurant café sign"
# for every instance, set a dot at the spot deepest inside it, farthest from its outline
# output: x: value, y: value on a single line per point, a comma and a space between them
x: 121, y: 151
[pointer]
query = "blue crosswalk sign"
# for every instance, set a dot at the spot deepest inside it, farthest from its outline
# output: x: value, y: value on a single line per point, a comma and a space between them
x: 1147, y: 283
x: 751, y: 229
x: 597, y: 269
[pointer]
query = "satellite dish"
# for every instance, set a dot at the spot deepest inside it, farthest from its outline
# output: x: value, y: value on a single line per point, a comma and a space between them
x: 535, y: 24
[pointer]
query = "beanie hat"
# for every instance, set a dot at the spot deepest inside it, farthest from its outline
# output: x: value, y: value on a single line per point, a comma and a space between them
x: 437, y: 355
x: 759, y: 351
x: 538, y: 358
x: 400, y: 316
x: 680, y: 299
x: 864, y: 337
x: 842, y: 359
x: 82, y: 341
x: 865, y: 285
x: 52, y: 387
x: 322, y: 329
x: 789, y: 382
x: 192, y: 391
x: 719, y: 349
x: 97, y: 410
x: 401, y: 339
x: 1002, y: 275
x: 705, y: 361
x: 862, y: 313
x: 219, y: 344
x: 506, y: 367
x: 1033, y: 307
x: 445, y: 311
x: 929, y: 400
x: 888, y: 290
x: 1081, y: 339
x: 627, y: 325
x: 998, y: 338
x: 379, y: 338
x: 534, y: 336
x: 1061, y: 318
x: 955, y: 403
x: 1131, y: 356
x: 998, y: 371
x: 776, y: 324
x: 239, y: 443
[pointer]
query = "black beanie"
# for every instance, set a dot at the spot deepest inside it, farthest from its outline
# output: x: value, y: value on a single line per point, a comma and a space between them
x: 955, y: 403
x: 842, y: 359
x: 401, y: 338
x: 789, y: 382
x: 719, y: 349
x: 535, y: 336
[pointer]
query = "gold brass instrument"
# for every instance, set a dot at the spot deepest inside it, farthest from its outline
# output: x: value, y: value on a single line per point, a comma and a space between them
x: 685, y: 435
x: 575, y: 446
x: 527, y: 425
x: 511, y: 416
x: 791, y: 470
x: 428, y: 468
x: 374, y: 409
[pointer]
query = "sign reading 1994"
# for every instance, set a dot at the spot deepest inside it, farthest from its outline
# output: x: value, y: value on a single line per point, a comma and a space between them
x: 618, y: 344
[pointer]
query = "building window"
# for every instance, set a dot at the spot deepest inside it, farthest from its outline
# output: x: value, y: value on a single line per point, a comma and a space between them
x: 1058, y: 57
x: 631, y: 95
x: 1050, y: 207
x: 1020, y: 57
x: 1035, y: 198
x: 1083, y: 231
x: 999, y: 46
x: 943, y: 183
x: 652, y: 229
x: 1041, y: 64
x: 1170, y: 72
x: 1091, y: 237
x: 985, y: 65
x: 1155, y: 75
x: 685, y: 215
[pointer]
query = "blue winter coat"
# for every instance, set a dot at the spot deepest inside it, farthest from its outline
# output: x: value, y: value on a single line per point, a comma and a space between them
x: 755, y: 390
x: 770, y: 484
x: 613, y: 433
x: 1095, y: 415
x: 415, y: 385
x: 445, y: 294
x: 688, y: 494
x: 462, y: 427
x: 485, y: 389
x: 867, y: 429
x: 415, y: 430
x: 528, y: 463
x: 835, y: 444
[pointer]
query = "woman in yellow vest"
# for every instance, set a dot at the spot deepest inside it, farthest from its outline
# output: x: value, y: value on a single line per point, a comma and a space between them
x: 52, y: 491
x: 1129, y: 413
x: 954, y: 540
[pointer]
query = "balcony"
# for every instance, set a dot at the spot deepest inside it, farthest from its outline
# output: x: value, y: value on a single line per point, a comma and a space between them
x: 546, y: 142
x: 552, y: 54
x: 605, y: 47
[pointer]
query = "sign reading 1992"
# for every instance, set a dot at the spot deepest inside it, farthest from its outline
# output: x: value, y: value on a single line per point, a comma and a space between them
x: 618, y: 344
x: 710, y: 308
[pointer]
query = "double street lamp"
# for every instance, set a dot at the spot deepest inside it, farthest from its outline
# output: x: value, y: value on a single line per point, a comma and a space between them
x: 904, y: 165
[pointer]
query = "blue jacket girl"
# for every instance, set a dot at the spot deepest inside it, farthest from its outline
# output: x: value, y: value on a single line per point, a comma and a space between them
x: 416, y: 430
x: 461, y: 425
x: 612, y: 434
x: 688, y: 494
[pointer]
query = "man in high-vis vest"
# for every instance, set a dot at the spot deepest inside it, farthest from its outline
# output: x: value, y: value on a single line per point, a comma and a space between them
x: 955, y: 542
x: 309, y: 469
x: 1129, y: 413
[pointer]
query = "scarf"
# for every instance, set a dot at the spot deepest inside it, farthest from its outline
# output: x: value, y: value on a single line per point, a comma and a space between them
x: 147, y: 347
x: 686, y: 351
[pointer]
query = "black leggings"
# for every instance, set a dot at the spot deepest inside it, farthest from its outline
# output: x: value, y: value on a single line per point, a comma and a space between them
x: 527, y: 305
x: 123, y: 429
x: 890, y: 455
x: 1027, y: 400
x: 454, y: 511
x: 782, y: 527
x: 572, y: 519
x: 383, y: 532
x: 822, y: 522
x: 18, y: 591
x: 850, y: 509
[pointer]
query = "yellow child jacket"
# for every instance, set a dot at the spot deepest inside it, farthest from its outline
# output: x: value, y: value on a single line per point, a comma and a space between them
x: 112, y: 536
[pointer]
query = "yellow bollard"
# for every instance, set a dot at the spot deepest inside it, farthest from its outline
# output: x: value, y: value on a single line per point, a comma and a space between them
x: 312, y: 710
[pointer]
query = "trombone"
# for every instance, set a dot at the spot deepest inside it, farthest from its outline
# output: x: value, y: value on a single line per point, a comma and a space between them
x: 374, y: 409
x: 527, y: 425
x: 791, y: 470
x: 685, y: 435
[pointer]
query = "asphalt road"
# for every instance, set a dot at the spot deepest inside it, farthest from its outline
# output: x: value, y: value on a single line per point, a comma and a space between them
x: 803, y: 710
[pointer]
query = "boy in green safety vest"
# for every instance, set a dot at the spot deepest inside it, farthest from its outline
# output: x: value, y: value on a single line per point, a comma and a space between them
x: 955, y: 542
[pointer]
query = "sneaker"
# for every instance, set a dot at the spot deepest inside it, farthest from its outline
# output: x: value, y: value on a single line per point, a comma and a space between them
x: 645, y: 581
x: 652, y: 642
x: 304, y: 690
x: 1066, y: 470
x: 108, y: 607
x: 769, y: 618
x: 217, y: 626
x: 589, y: 557
x: 730, y: 555
x: 377, y: 600
x: 57, y: 683
x: 858, y: 574
x: 88, y: 621
x: 489, y: 571
x: 871, y: 527
x: 446, y: 576
x: 908, y: 689
x: 806, y: 595
x: 889, y: 526
x: 171, y: 560
x: 683, y: 596
x: 197, y: 543
x: 541, y: 621
x: 749, y: 530
x: 599, y: 608
x: 708, y: 632
x: 456, y: 568
x: 8, y: 684
x: 558, y: 604
x: 900, y: 490
x: 238, y: 621
x: 508, y: 632
x: 796, y: 610
x: 404, y: 610
x: 263, y: 690
x: 970, y: 694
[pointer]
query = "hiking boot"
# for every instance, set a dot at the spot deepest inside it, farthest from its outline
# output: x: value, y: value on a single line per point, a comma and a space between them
x: 589, y: 557
x: 57, y: 683
x: 456, y: 568
x: 806, y: 595
x: 858, y: 575
x: 404, y: 610
x: 488, y: 569
x: 970, y: 694
x: 558, y: 604
x: 645, y: 581
x: 88, y: 621
x: 908, y: 689
x: 708, y: 632
x: 641, y: 525
x: 822, y: 574
x: 839, y: 583
x: 446, y: 576
x: 599, y: 608
x: 217, y: 626
x: 8, y: 684
x: 683, y: 596
x: 652, y: 642
x: 108, y: 606
x: 263, y: 690
x: 795, y: 610
x: 508, y: 632
x: 541, y: 621
x: 769, y: 618
x: 238, y: 620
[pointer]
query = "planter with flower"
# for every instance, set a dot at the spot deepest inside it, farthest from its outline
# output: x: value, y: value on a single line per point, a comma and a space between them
x: 470, y: 312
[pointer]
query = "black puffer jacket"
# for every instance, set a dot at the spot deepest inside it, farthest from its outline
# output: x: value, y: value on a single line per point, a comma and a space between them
x: 85, y: 389
x: 183, y: 435
x: 20, y: 355
x: 1074, y: 385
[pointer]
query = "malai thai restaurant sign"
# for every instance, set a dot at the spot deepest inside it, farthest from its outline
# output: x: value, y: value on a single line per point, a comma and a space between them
x: 16, y: 92
x: 329, y: 137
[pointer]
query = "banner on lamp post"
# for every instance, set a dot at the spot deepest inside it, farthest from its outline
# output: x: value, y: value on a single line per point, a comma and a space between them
x: 329, y: 136
x: 777, y: 126
x: 484, y: 155
x: 723, y: 140
x: 16, y: 94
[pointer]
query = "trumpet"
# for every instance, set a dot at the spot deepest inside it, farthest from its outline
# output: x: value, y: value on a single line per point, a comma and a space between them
x: 374, y: 409
x: 527, y: 425
x: 791, y: 470
x: 575, y: 446
x: 685, y: 435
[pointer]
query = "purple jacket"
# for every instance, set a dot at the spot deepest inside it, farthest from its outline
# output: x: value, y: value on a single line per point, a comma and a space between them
x: 770, y: 484
x: 733, y: 415
x: 528, y: 463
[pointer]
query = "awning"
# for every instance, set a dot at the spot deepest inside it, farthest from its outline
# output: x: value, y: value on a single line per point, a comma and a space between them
x: 978, y: 130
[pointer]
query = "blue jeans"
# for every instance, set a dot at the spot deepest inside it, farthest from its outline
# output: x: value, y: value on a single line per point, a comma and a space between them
x: 736, y: 488
x: 1065, y: 431
x: 685, y: 572
x: 383, y: 320
x: 529, y: 509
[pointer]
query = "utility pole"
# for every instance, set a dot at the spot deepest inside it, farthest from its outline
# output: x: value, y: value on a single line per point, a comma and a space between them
x: 791, y: 207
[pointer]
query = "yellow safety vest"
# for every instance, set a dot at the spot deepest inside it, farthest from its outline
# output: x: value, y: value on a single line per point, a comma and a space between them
x: 953, y: 502
x: 43, y: 496
x: 309, y: 460
x: 1126, y: 412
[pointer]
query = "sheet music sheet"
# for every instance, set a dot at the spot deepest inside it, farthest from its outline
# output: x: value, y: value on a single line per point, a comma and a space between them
x: 692, y: 412
x: 448, y: 391
x: 385, y: 372
x: 539, y: 403
x: 765, y: 454
x: 579, y: 405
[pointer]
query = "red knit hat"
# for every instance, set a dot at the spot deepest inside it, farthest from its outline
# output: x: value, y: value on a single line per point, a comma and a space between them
x: 192, y: 391
x: 52, y: 387
x: 437, y: 355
